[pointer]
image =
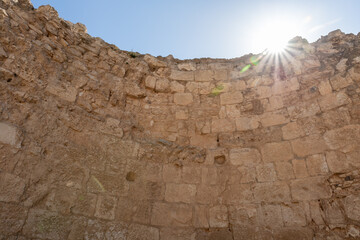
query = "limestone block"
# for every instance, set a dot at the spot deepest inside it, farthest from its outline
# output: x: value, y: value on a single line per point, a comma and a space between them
x: 207, y: 194
x: 201, y: 219
x: 100, y: 183
x: 303, y: 233
x: 176, y: 87
x: 271, y: 192
x: 191, y: 175
x: 105, y: 207
x: 85, y: 204
x: 281, y: 87
x: 205, y: 141
x: 233, y: 111
x: 170, y: 214
x: 209, y: 176
x: 352, y: 207
x: 263, y: 92
x: 308, y: 145
x: 222, y: 125
x: 133, y: 210
x: 244, y: 156
x: 204, y: 75
x: 274, y: 118
x: 272, y: 216
x: 9, y: 135
x: 317, y: 165
x: 162, y: 85
x: 345, y: 139
x: 182, y: 75
x: 325, y: 87
x: 339, y: 82
x: 277, y: 152
x: 12, y: 218
x: 244, y: 214
x: 154, y: 62
x: 276, y: 102
x: 316, y: 213
x: 218, y: 216
x: 11, y: 187
x: 266, y: 172
x: 247, y: 123
x: 231, y: 98
x: 300, y: 169
x: 220, y: 75
x: 42, y: 224
x: 237, y: 194
x: 284, y: 170
x: 247, y: 174
x: 183, y: 98
x: 337, y: 162
x: 147, y: 190
x: 138, y: 231
x: 150, y: 82
x: 312, y: 188
x: 63, y: 91
x: 182, y: 115
x: 292, y: 130
x: 304, y: 109
x: 189, y: 66
x: 294, y: 214
x: 333, y: 100
x: 173, y: 233
x: 184, y: 193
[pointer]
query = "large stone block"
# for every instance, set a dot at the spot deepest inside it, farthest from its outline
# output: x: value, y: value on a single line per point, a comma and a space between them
x: 204, y: 75
x: 266, y: 172
x: 247, y: 123
x: 11, y: 187
x: 184, y: 193
x: 344, y: 139
x: 277, y: 152
x: 294, y: 214
x: 244, y: 156
x: 142, y: 232
x: 231, y: 98
x: 218, y: 216
x: 292, y: 130
x: 166, y: 214
x: 222, y: 125
x: 310, y: 145
x: 352, y: 207
x: 182, y: 75
x: 310, y: 189
x: 333, y: 100
x: 105, y: 207
x: 317, y: 165
x: 237, y: 194
x: 205, y: 141
x: 272, y: 216
x: 271, y: 192
x: 9, y: 135
x: 274, y: 118
x: 62, y: 90
x: 304, y: 109
x: 183, y: 98
x: 281, y: 87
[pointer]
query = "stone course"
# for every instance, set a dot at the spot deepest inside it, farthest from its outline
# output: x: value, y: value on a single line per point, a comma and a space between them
x: 100, y: 143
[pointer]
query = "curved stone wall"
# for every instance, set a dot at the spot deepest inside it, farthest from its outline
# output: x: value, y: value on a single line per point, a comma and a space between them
x: 99, y: 143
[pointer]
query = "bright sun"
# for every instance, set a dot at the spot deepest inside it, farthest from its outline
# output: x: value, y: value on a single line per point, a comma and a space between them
x: 273, y: 34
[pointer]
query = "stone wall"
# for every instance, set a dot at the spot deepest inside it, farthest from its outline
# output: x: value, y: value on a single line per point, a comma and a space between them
x: 99, y: 143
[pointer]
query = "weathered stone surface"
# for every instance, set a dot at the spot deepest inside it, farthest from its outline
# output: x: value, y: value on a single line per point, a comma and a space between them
x: 231, y: 98
x: 183, y: 98
x: 292, y: 130
x: 12, y: 218
x: 277, y: 152
x: 308, y: 145
x: 218, y: 216
x: 244, y: 156
x: 271, y: 192
x: 344, y: 139
x: 184, y: 193
x: 105, y: 207
x: 141, y: 232
x: 222, y: 125
x: 352, y: 207
x: 247, y: 123
x: 274, y: 118
x: 166, y: 214
x: 207, y: 141
x: 182, y: 75
x: 310, y: 189
x: 317, y: 165
x: 153, y: 62
x: 294, y: 214
x: 9, y: 134
x: 11, y: 187
x: 333, y: 100
x: 238, y: 194
x: 300, y: 169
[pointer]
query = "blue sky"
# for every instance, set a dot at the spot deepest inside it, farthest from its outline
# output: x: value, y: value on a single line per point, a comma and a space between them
x: 207, y: 28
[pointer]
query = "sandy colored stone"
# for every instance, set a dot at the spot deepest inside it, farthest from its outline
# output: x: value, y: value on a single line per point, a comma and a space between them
x: 325, y: 87
x: 271, y: 192
x: 201, y: 216
x: 266, y: 172
x: 189, y: 66
x: 170, y: 214
x: 285, y: 86
x: 292, y: 130
x: 176, y: 87
x: 310, y: 189
x: 105, y: 207
x: 238, y: 194
x: 344, y: 139
x: 317, y: 165
x: 162, y: 85
x: 300, y: 169
x: 352, y: 207
x: 277, y: 152
x: 154, y: 62
x: 339, y: 82
x: 207, y: 194
x: 142, y: 232
x: 293, y: 214
x: 183, y: 98
x: 231, y: 98
x: 247, y: 123
x: 206, y: 140
x: 308, y: 145
x: 244, y: 156
x: 12, y: 187
x: 284, y: 170
x: 304, y: 109
x: 12, y: 218
x: 272, y: 216
x: 204, y: 75
x: 183, y: 193
x: 191, y: 175
x: 218, y: 216
x: 9, y: 134
x: 333, y: 100
x: 222, y: 125
x: 182, y: 75
x: 274, y: 118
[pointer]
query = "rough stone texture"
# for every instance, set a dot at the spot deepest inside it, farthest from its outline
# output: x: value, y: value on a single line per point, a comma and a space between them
x: 100, y: 143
